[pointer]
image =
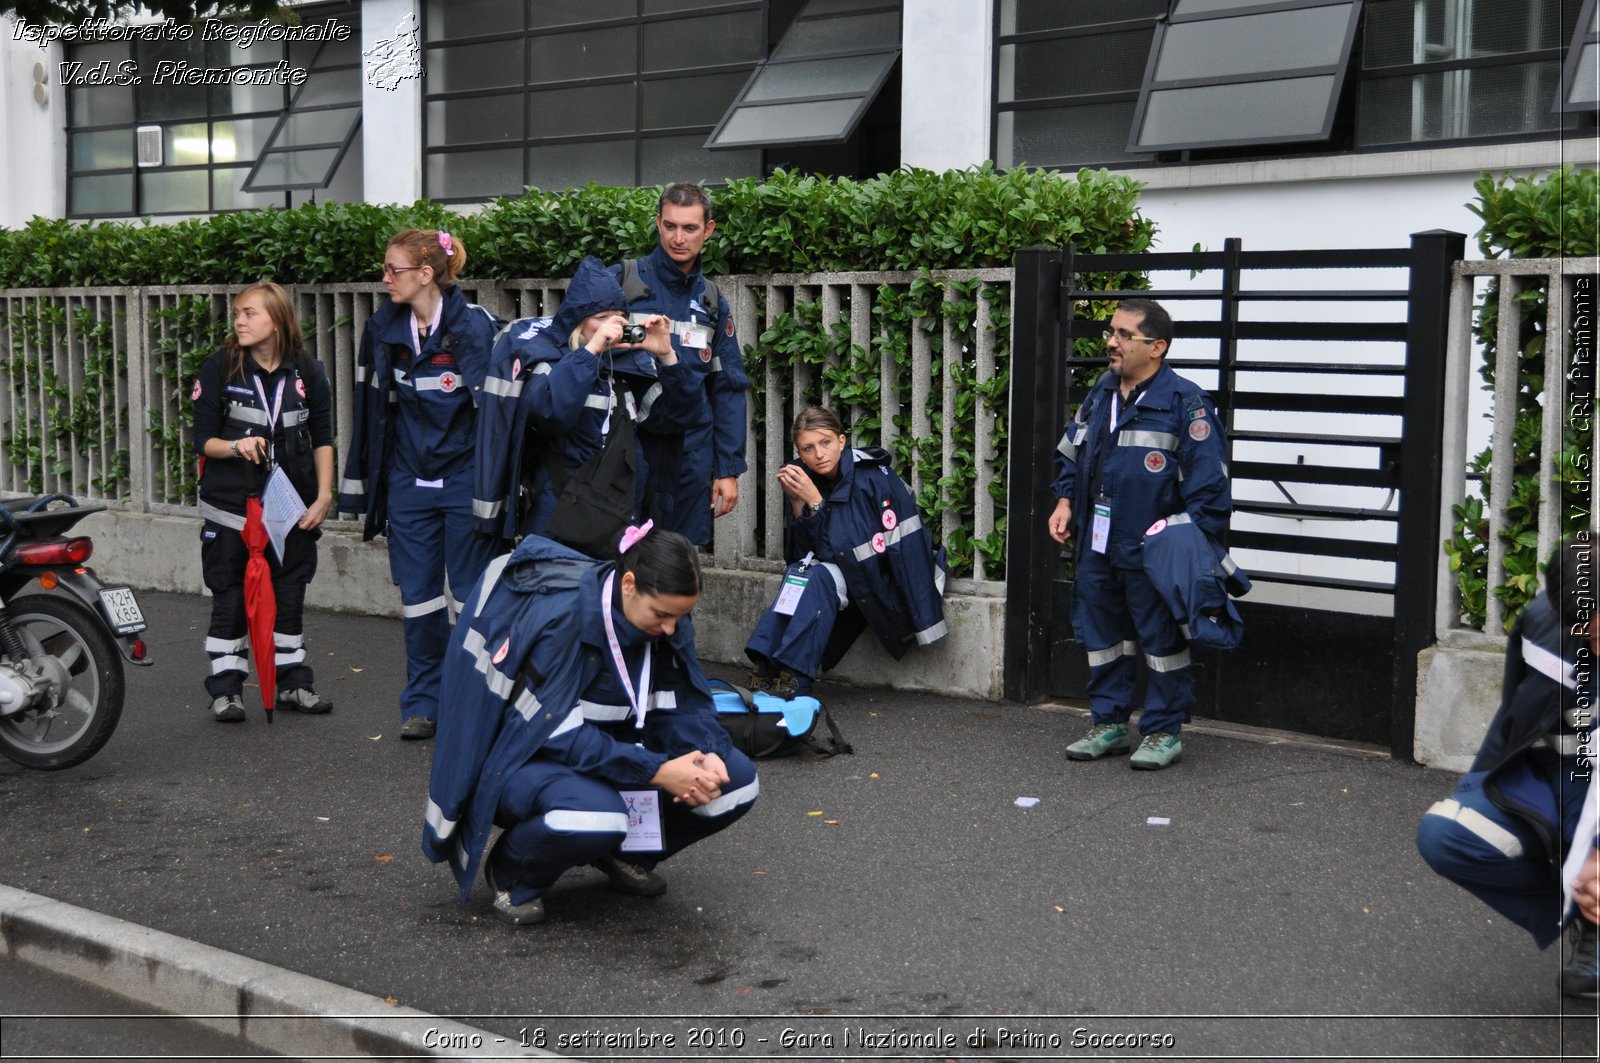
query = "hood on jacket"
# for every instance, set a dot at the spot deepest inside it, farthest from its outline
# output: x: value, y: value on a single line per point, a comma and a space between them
x: 591, y: 290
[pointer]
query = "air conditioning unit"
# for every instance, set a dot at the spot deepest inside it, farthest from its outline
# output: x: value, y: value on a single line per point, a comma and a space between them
x: 148, y: 141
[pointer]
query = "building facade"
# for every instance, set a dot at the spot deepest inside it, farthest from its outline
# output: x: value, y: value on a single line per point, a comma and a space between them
x: 1285, y: 122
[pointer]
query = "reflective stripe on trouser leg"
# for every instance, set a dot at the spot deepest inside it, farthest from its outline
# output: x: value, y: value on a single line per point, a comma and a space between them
x: 1468, y: 840
x: 554, y: 819
x: 1169, y: 677
x: 1101, y: 623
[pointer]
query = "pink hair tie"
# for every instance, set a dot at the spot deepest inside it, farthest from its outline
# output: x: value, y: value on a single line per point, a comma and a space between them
x: 633, y: 534
x: 446, y: 243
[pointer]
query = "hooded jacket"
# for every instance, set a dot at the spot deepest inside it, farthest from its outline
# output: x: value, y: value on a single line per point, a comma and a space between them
x: 414, y: 408
x: 525, y: 662
x: 707, y: 442
x: 543, y: 396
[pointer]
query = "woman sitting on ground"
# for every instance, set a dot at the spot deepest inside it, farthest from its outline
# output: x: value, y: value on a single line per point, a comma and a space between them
x: 858, y: 556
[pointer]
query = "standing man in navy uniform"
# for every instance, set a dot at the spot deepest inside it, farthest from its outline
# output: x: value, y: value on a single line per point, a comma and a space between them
x: 1145, y: 445
x: 694, y: 465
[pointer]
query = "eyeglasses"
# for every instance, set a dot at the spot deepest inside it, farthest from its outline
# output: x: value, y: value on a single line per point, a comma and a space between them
x: 1125, y: 336
x: 395, y: 271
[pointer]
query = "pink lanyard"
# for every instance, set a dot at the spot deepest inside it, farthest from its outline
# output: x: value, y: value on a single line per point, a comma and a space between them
x: 641, y: 701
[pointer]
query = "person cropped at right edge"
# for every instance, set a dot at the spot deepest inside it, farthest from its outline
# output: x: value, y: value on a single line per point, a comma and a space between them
x: 1515, y: 830
x: 1145, y: 446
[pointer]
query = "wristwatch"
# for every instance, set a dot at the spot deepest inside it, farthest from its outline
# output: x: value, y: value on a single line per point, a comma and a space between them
x: 808, y: 511
x: 233, y: 449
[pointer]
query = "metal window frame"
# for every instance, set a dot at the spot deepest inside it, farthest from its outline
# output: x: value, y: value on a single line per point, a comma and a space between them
x: 523, y: 140
x: 1339, y: 71
x: 741, y: 102
x: 1582, y: 37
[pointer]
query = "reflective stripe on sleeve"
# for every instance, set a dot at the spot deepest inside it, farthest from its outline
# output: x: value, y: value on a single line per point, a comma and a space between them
x: 442, y: 828
x: 1066, y: 448
x: 491, y: 576
x: 932, y: 634
x: 573, y: 721
x: 838, y: 582
x: 1478, y: 825
x: 744, y: 795
x: 353, y: 487
x: 487, y: 510
x: 1548, y: 664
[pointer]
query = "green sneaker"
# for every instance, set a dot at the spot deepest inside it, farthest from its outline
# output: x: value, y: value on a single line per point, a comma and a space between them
x: 1102, y: 738
x: 1156, y: 752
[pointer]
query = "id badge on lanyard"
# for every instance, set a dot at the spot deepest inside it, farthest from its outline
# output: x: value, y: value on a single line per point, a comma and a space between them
x: 1100, y: 527
x: 272, y: 410
x: 794, y: 585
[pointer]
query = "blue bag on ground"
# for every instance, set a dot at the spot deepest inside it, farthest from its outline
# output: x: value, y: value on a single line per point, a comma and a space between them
x: 763, y: 725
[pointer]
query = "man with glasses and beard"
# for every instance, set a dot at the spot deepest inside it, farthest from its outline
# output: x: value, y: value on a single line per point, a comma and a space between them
x: 1145, y: 449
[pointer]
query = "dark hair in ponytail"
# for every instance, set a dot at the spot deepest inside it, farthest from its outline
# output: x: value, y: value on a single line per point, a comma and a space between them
x: 663, y: 562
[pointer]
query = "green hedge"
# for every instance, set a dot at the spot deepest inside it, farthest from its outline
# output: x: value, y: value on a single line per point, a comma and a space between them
x: 1553, y: 215
x: 910, y: 219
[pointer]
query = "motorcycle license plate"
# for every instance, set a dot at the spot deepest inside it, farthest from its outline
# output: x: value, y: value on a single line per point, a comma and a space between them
x: 122, y: 610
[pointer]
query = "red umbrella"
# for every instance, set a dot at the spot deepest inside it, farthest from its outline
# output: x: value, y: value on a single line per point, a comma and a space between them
x: 260, y: 603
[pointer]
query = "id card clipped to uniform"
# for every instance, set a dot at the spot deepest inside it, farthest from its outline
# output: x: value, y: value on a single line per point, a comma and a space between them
x: 1100, y: 528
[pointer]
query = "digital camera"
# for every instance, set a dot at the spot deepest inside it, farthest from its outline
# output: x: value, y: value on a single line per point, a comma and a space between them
x: 632, y: 333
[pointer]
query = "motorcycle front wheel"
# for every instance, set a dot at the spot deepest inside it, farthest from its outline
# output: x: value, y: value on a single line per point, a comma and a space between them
x: 89, y: 698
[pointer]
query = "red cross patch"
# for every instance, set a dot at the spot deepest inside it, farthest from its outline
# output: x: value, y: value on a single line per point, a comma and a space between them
x: 300, y: 386
x: 500, y: 654
x: 889, y: 520
x: 878, y: 544
x: 516, y: 369
x: 1199, y: 431
x: 448, y: 383
x: 194, y: 396
x: 705, y: 354
x: 1157, y: 528
x: 1155, y: 461
x: 727, y: 327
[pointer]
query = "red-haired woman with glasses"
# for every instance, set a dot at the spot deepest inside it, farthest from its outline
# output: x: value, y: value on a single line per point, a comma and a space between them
x: 410, y: 471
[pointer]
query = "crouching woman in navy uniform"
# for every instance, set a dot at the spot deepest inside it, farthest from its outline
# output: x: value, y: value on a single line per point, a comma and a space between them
x: 858, y: 556
x: 574, y: 680
x: 262, y: 398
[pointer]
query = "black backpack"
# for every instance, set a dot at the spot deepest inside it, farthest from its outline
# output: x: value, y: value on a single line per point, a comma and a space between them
x: 596, y: 501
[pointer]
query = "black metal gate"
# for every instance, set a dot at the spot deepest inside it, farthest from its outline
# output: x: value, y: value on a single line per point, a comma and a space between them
x: 1299, y: 366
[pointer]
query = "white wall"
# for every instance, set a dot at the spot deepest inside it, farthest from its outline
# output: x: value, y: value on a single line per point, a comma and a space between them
x: 391, y: 118
x: 32, y: 172
x: 945, y: 74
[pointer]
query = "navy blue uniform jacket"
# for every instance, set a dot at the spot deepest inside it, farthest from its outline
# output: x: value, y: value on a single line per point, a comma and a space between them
x: 1197, y: 581
x: 540, y: 392
x: 415, y: 408
x: 868, y: 525
x: 1166, y: 456
x: 528, y: 647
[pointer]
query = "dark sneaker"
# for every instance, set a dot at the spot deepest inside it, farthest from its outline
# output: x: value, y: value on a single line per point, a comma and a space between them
x: 525, y: 914
x: 418, y: 728
x: 1156, y: 752
x: 1581, y: 977
x: 758, y: 681
x: 631, y: 879
x: 228, y: 709
x: 786, y: 685
x: 304, y: 699
x: 1102, y: 739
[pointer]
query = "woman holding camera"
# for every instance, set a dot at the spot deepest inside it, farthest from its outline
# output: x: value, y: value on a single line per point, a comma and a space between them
x: 419, y: 373
x: 559, y: 391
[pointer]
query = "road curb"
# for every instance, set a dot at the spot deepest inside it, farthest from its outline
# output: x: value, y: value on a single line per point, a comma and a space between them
x: 272, y: 1007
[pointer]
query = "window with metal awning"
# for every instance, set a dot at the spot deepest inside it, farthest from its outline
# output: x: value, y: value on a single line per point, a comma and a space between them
x: 1580, y: 85
x: 1235, y: 72
x: 820, y: 79
x: 311, y: 137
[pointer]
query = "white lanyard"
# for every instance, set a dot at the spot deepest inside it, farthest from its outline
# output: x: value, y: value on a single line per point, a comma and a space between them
x: 1115, y: 398
x: 433, y: 326
x: 641, y: 701
x: 272, y: 411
